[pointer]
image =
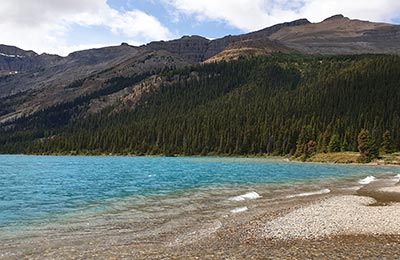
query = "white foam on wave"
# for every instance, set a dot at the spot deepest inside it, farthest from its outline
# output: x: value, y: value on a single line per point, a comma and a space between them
x: 355, y: 188
x: 367, y: 180
x: 395, y: 178
x: 306, y: 194
x: 238, y: 210
x: 247, y: 196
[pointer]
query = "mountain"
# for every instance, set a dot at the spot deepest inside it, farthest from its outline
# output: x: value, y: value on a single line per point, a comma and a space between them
x: 47, y: 92
x: 334, y: 35
x: 197, y: 49
x: 341, y: 35
x: 248, y: 48
x: 14, y: 60
x: 79, y: 74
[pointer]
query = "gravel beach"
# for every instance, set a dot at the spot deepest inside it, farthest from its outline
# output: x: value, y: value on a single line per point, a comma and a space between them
x: 341, y: 215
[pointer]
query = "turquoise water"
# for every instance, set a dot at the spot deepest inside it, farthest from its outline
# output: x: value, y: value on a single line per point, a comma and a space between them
x: 37, y: 188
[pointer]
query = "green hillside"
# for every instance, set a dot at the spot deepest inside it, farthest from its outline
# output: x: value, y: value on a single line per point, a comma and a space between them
x: 271, y: 104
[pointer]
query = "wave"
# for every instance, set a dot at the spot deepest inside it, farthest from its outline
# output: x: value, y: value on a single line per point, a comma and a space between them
x: 355, y: 188
x: 305, y: 194
x: 367, y: 180
x: 248, y: 196
x: 238, y: 210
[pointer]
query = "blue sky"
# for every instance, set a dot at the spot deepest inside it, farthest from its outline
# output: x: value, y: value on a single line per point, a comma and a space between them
x: 63, y: 26
x: 186, y: 25
x: 178, y: 24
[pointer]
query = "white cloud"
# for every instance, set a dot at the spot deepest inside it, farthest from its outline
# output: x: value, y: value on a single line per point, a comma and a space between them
x: 372, y: 10
x: 45, y: 25
x: 249, y: 15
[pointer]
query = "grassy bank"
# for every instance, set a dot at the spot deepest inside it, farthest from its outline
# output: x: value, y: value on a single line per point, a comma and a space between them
x: 352, y: 157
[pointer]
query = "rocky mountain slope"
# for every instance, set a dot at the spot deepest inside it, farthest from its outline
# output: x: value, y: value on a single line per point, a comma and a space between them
x: 14, y: 60
x: 30, y: 82
x: 197, y: 49
x: 79, y: 74
x: 341, y: 35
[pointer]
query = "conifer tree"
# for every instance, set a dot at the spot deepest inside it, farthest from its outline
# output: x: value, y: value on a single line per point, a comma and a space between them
x: 387, y: 144
x: 302, y: 141
x: 334, y: 144
x: 366, y: 146
x: 344, y: 146
x: 311, y: 148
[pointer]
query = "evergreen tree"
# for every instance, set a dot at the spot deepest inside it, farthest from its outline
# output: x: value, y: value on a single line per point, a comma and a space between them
x: 387, y: 144
x: 334, y: 144
x: 311, y: 148
x: 324, y: 142
x: 302, y: 142
x: 344, y: 146
x: 270, y: 145
x: 366, y: 146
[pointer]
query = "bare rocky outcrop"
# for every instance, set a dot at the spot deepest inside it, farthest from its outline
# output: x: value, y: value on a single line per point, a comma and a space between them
x: 196, y: 49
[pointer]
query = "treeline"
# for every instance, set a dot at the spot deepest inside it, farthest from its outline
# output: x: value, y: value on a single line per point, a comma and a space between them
x: 279, y: 105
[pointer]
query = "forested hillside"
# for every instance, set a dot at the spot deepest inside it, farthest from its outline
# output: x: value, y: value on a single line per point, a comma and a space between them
x: 277, y: 104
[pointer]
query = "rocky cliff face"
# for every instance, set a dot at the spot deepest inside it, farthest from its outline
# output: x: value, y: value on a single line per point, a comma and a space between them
x: 191, y: 48
x: 14, y: 60
x: 196, y: 49
x: 7, y: 50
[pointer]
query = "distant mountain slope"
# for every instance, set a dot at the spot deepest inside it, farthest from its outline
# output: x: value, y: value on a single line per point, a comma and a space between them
x: 248, y: 48
x: 197, y: 49
x: 14, y: 60
x: 334, y: 35
x: 341, y: 35
x: 79, y: 74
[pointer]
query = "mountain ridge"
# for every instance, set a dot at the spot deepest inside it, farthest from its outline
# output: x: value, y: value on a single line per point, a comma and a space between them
x: 30, y: 82
x: 210, y: 48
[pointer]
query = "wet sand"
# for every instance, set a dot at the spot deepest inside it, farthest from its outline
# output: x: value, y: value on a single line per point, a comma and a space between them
x: 241, y: 235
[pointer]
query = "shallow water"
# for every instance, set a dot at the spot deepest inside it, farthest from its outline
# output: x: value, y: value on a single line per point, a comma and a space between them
x: 150, y: 198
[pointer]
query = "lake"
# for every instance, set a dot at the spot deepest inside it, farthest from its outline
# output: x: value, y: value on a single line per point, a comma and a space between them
x: 149, y: 196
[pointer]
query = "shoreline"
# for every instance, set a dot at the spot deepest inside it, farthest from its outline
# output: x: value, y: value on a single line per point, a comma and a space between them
x: 382, y: 161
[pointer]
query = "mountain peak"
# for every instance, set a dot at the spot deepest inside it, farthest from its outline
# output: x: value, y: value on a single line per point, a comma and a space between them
x: 12, y: 50
x: 194, y: 37
x: 336, y: 17
x: 298, y: 22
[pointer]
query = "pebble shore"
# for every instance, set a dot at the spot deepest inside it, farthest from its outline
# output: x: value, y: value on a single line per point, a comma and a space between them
x: 341, y: 215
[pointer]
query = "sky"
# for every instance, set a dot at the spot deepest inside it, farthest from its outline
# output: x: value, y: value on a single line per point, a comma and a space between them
x: 63, y: 26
